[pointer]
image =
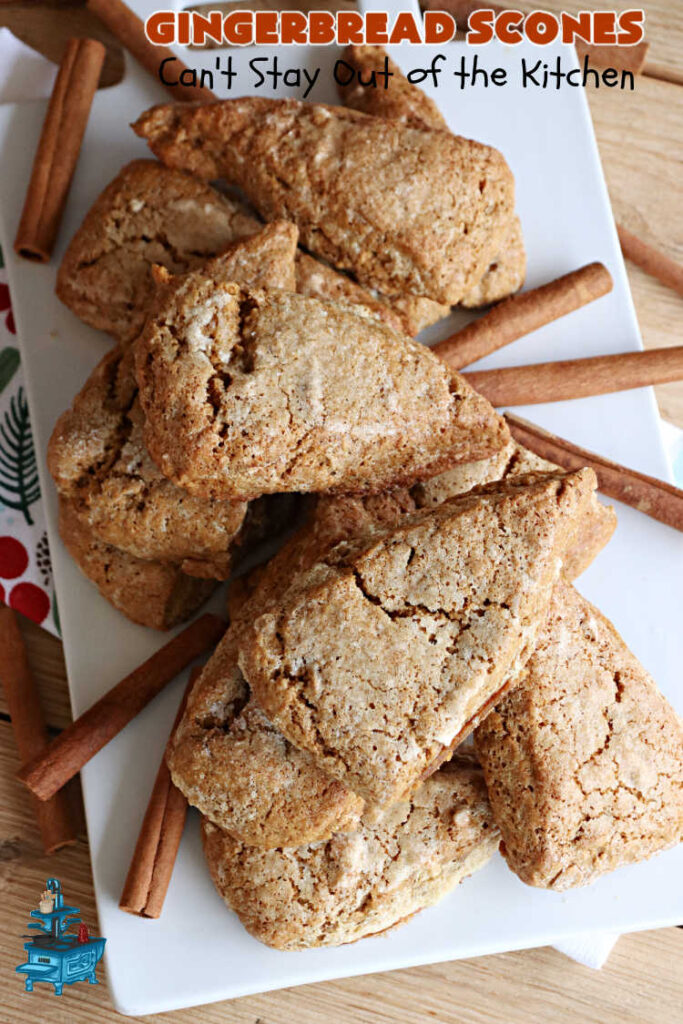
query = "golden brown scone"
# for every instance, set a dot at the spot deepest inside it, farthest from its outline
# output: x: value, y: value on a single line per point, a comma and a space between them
x: 155, y: 594
x: 318, y: 280
x: 404, y: 209
x: 98, y: 458
x: 241, y: 773
x: 400, y: 99
x: 360, y: 883
x: 247, y: 392
x: 383, y: 656
x: 331, y: 519
x: 148, y: 214
x: 505, y: 275
x: 584, y: 760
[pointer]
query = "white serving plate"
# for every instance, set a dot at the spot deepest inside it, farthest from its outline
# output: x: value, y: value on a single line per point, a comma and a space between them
x: 198, y: 952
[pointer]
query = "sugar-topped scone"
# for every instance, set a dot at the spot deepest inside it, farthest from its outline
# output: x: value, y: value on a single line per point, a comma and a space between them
x: 331, y: 519
x: 384, y: 655
x: 404, y: 209
x: 402, y: 100
x: 399, y: 861
x: 154, y: 594
x: 99, y: 461
x: 247, y: 392
x: 149, y: 214
x: 584, y: 760
x: 234, y: 765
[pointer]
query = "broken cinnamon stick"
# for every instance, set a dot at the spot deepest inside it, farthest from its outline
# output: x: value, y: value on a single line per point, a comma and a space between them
x: 60, y: 143
x: 30, y: 732
x: 130, y: 32
x: 578, y: 378
x: 651, y: 260
x: 655, y: 498
x: 64, y: 757
x: 520, y: 314
x: 156, y: 850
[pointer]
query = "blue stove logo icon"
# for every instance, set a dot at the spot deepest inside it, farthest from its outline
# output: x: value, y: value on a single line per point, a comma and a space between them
x: 55, y: 955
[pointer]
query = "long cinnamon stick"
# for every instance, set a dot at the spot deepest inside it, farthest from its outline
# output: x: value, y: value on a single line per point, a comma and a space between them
x: 60, y: 143
x: 156, y: 850
x: 651, y: 260
x: 520, y: 314
x: 74, y: 747
x: 30, y: 732
x: 578, y: 378
x: 130, y: 32
x: 655, y: 498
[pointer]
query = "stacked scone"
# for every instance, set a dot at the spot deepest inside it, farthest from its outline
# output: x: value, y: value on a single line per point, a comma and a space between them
x: 426, y: 598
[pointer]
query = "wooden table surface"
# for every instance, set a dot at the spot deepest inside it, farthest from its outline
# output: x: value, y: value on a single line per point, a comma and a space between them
x: 640, y: 136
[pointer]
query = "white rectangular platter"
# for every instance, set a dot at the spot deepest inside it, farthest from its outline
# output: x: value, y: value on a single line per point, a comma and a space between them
x: 198, y: 952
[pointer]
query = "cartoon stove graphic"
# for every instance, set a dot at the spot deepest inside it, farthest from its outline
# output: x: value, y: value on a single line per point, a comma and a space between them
x: 53, y: 955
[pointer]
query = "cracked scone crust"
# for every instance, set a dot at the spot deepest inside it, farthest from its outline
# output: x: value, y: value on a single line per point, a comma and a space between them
x: 358, y: 884
x: 404, y: 209
x: 243, y: 775
x: 247, y: 392
x: 99, y: 461
x: 154, y: 594
x: 331, y: 519
x: 149, y: 214
x: 385, y: 654
x: 584, y: 760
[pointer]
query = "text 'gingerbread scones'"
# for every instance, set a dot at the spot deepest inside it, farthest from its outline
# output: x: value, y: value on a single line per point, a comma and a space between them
x: 404, y: 209
x: 360, y: 883
x: 383, y: 656
x: 584, y: 760
x: 247, y: 392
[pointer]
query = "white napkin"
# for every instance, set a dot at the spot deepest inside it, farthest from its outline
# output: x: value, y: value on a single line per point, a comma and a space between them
x: 25, y: 75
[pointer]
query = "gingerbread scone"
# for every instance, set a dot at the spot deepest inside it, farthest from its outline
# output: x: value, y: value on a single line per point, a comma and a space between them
x: 149, y: 214
x: 247, y: 392
x: 318, y: 280
x: 234, y: 765
x: 341, y: 177
x: 408, y: 103
x: 399, y: 861
x: 383, y: 656
x: 584, y: 760
x: 154, y: 594
x: 331, y: 519
x: 99, y: 461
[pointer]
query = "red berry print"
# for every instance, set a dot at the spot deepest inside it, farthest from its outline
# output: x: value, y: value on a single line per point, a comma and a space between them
x: 30, y: 600
x: 2, y: 594
x: 9, y: 323
x: 13, y: 558
x: 4, y: 297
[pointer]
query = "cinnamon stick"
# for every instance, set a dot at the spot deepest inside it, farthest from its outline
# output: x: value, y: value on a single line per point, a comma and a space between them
x: 622, y: 58
x: 130, y: 32
x: 60, y: 143
x: 651, y: 260
x: 156, y: 850
x: 30, y: 732
x: 655, y: 498
x: 520, y: 314
x: 578, y: 378
x: 66, y: 755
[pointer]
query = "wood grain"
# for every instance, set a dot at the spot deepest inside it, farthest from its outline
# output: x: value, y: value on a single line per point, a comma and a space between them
x: 641, y: 983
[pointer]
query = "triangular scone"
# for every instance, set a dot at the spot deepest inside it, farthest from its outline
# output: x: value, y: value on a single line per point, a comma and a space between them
x: 361, y: 883
x: 247, y: 392
x: 99, y: 461
x: 382, y: 657
x: 404, y: 209
x: 584, y: 760
x: 241, y: 773
x: 404, y: 101
x: 154, y: 594
x: 148, y: 214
